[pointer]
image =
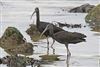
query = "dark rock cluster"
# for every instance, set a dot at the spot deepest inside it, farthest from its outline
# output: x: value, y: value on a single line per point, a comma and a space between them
x: 70, y: 25
x: 85, y: 8
x: 19, y: 61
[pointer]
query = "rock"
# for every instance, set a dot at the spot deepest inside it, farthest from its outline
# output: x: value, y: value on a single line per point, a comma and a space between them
x: 93, y: 18
x: 14, y: 61
x: 34, y: 33
x: 50, y: 58
x: 13, y: 42
x: 20, y: 61
x: 85, y: 8
x: 11, y: 38
x: 25, y: 49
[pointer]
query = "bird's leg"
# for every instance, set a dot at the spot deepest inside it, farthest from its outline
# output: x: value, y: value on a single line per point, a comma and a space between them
x: 53, y: 47
x: 47, y: 46
x: 68, y: 55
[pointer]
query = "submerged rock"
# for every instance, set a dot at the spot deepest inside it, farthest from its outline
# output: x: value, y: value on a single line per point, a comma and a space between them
x: 50, y: 58
x: 14, y: 42
x: 34, y: 33
x: 85, y: 8
x: 93, y: 18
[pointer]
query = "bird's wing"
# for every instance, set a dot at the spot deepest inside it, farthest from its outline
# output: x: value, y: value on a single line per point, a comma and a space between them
x: 67, y: 36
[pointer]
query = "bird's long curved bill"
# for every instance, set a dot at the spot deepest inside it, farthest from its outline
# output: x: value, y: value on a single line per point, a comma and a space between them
x: 32, y: 15
x: 44, y: 31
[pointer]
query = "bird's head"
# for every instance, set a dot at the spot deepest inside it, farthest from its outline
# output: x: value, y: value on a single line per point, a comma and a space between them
x: 36, y: 11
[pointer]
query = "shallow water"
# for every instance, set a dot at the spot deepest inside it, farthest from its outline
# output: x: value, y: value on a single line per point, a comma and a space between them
x: 17, y: 14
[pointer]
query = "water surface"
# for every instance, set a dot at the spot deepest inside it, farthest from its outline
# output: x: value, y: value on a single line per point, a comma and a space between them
x: 17, y: 13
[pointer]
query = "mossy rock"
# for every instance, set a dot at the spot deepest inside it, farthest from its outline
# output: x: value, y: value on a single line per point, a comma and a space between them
x: 93, y: 18
x: 12, y: 30
x: 13, y: 42
x: 97, y: 29
x: 11, y: 38
x: 25, y: 49
x: 50, y: 58
x: 93, y: 15
x: 17, y: 61
x: 34, y: 33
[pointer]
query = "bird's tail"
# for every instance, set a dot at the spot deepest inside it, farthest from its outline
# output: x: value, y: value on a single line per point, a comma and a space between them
x: 84, y: 40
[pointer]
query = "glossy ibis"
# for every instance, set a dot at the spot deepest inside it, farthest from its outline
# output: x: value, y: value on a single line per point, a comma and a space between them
x: 65, y: 37
x: 42, y: 25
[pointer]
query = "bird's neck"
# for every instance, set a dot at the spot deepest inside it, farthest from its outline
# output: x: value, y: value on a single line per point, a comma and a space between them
x: 51, y: 32
x: 37, y: 18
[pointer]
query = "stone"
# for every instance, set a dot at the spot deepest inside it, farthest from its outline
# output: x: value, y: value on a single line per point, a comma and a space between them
x: 13, y: 42
x: 50, y: 58
x: 20, y: 61
x: 85, y: 8
x: 25, y: 49
x: 93, y: 18
x: 11, y: 38
x: 34, y: 33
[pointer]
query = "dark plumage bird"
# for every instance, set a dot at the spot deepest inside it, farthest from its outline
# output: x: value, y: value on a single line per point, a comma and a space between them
x: 42, y: 25
x: 65, y: 37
